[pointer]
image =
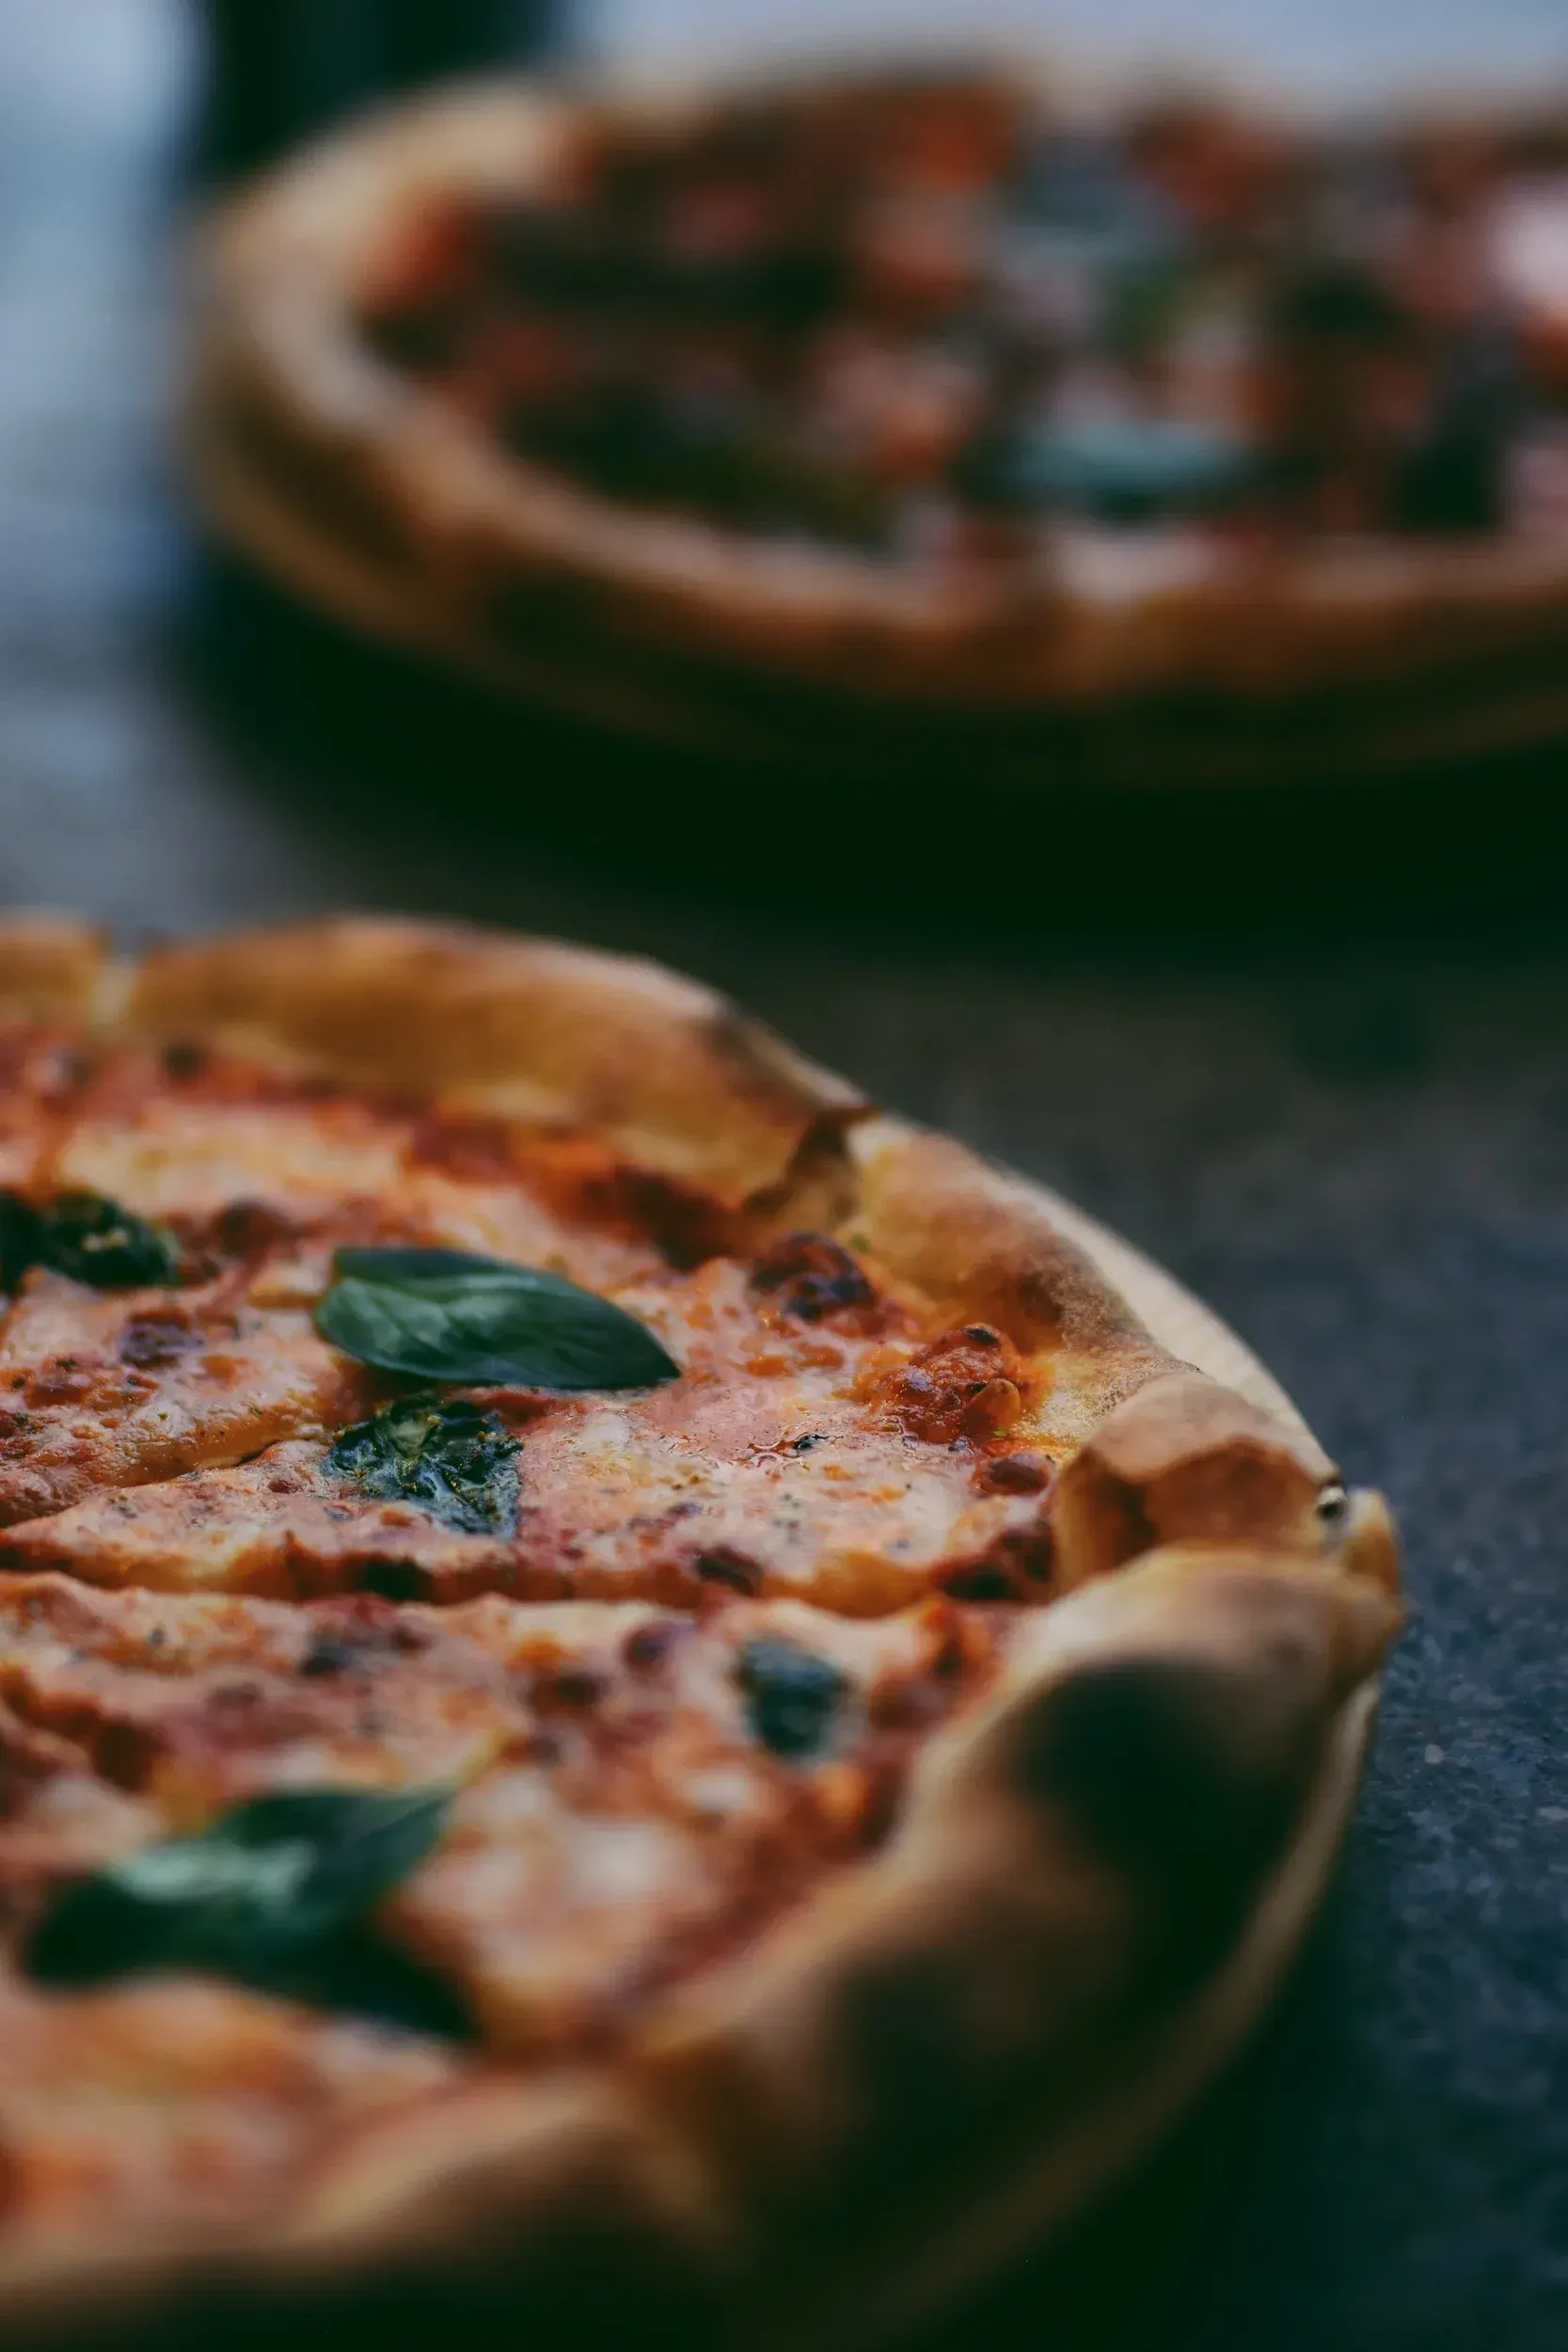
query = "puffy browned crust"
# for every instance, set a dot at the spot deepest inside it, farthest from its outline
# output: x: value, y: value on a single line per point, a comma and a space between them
x: 530, y: 1030
x: 51, y: 967
x: 978, y: 1245
x: 362, y: 488
x: 1097, y: 1875
x: 1071, y: 1864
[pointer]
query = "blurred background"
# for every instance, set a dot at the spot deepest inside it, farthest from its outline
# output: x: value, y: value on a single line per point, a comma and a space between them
x: 1309, y: 1051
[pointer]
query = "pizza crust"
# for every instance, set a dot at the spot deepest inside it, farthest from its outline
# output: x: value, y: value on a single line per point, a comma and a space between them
x: 527, y: 1029
x: 51, y: 967
x: 1097, y: 1874
x: 362, y: 489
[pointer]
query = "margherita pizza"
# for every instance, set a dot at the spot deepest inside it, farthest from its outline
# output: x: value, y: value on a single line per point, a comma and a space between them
x: 916, y: 419
x: 612, y: 1668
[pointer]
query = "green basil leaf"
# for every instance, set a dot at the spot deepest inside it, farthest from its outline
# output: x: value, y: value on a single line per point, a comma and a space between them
x: 446, y: 1314
x: 1136, y: 465
x: 263, y: 1892
x: 87, y: 1237
x: 452, y: 1460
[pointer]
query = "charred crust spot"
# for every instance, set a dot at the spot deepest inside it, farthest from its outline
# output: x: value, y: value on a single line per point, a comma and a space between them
x: 329, y: 1653
x: 813, y: 1276
x: 1156, y: 1763
x: 684, y: 1224
x: 184, y: 1061
x: 647, y: 1646
x: 1014, y: 1567
x: 244, y: 1228
x: 1332, y: 1506
x: 148, y: 1342
x: 1014, y: 1474
x: 982, y: 1581
x: 568, y: 1687
x: 723, y: 1564
x: 126, y: 1753
x: 982, y: 1335
x: 394, y: 1580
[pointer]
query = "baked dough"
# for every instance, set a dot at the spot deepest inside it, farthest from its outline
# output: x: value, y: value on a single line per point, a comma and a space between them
x: 1107, y: 1833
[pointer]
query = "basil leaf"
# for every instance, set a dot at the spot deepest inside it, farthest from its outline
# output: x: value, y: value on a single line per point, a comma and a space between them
x: 87, y: 1237
x: 452, y: 1460
x: 1145, y: 462
x: 261, y: 1893
x: 446, y: 1314
x: 1123, y: 469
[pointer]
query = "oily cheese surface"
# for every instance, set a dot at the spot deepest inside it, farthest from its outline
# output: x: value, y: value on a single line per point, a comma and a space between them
x: 200, y: 1608
x: 834, y: 1449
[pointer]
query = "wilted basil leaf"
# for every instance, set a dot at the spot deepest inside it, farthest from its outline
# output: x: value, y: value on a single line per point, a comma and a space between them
x: 86, y: 1236
x: 792, y: 1696
x: 446, y: 1314
x: 273, y: 1893
x: 454, y: 1461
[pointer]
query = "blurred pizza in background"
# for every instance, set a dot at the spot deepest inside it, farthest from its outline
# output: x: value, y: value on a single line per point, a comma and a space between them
x: 835, y: 417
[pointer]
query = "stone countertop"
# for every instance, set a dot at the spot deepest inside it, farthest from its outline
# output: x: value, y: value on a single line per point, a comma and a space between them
x: 1351, y: 1135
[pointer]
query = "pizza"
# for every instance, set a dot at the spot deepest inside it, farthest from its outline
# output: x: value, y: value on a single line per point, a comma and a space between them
x: 619, y: 1675
x: 895, y: 419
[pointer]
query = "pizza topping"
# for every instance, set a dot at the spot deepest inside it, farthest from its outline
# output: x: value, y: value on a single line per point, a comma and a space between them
x: 1014, y: 1474
x: 633, y: 1792
x: 688, y: 1505
x: 447, y: 1314
x: 186, y: 2102
x: 453, y: 1460
x: 150, y: 1343
x: 262, y: 1894
x: 1118, y: 463
x: 812, y: 1277
x: 1186, y: 317
x: 793, y: 1697
x: 963, y: 1385
x: 726, y: 1565
x: 87, y: 1237
x: 84, y: 1414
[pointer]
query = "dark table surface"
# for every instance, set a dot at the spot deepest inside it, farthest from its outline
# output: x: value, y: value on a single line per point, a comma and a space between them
x: 1352, y: 1137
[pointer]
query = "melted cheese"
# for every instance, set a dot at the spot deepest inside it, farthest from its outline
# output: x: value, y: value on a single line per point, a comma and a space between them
x: 108, y: 1389
x: 620, y: 1816
x: 200, y: 1609
x: 762, y: 1469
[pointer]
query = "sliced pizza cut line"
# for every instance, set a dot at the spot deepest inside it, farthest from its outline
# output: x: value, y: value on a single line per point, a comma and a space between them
x: 633, y: 1790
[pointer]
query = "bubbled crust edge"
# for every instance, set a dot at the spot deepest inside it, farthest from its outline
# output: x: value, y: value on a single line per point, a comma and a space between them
x: 531, y: 1029
x: 442, y: 539
x: 685, y: 2170
x: 51, y: 966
